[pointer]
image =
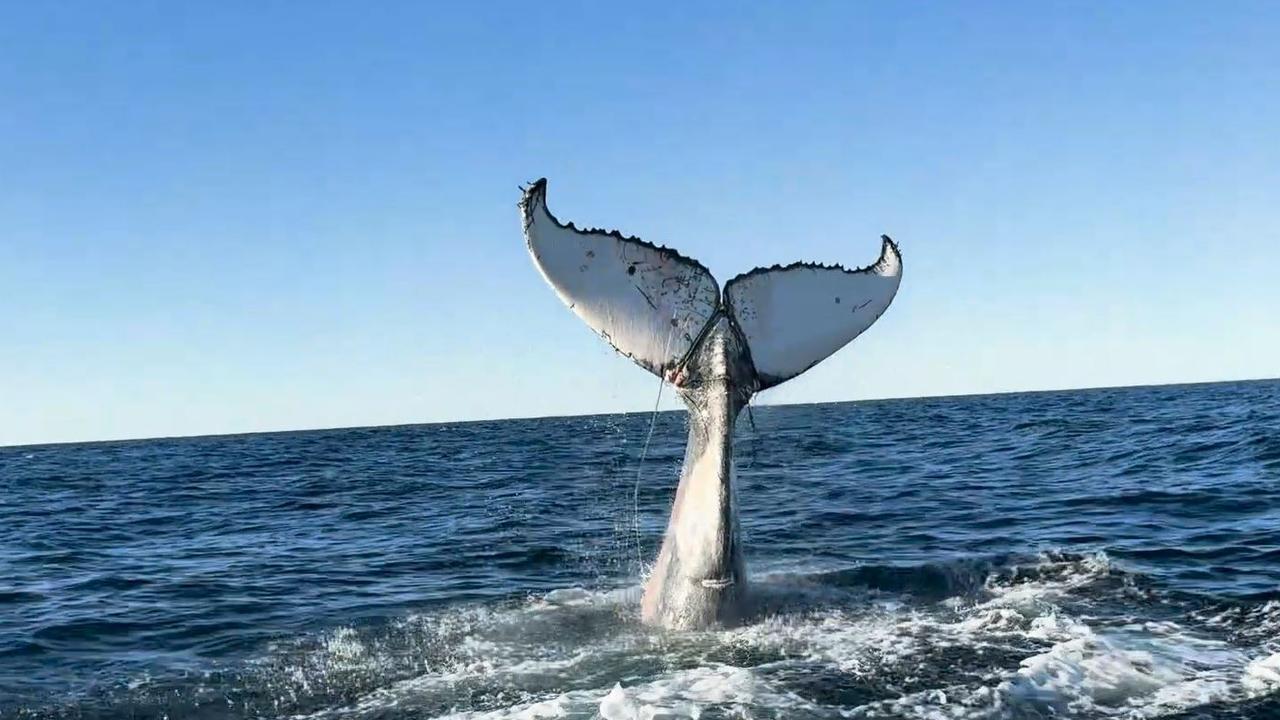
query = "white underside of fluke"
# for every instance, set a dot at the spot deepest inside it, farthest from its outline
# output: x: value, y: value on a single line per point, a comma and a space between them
x: 652, y: 303
x: 794, y: 317
x: 649, y: 302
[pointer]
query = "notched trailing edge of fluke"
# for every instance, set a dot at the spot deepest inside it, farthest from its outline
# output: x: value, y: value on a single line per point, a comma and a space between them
x: 535, y: 194
x: 888, y: 264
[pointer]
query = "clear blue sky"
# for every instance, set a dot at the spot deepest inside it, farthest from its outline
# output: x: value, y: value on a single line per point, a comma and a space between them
x: 229, y: 217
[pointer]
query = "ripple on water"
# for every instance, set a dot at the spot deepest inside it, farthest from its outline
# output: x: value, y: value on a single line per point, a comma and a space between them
x: 1107, y: 554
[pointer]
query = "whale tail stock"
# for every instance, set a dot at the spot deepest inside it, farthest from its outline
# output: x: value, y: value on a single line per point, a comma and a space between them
x: 655, y: 305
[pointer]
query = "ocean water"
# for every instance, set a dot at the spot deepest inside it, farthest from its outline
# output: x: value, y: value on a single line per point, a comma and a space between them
x: 1094, y: 554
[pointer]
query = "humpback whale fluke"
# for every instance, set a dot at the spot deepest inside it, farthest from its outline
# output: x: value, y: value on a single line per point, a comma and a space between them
x: 666, y: 312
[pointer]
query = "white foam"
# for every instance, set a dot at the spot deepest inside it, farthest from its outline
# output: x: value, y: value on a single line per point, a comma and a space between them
x: 580, y: 597
x: 344, y: 646
x: 1262, y: 676
x: 1259, y: 622
x: 1087, y: 670
x: 1144, y: 670
x: 1140, y: 670
x: 538, y: 661
x: 682, y: 695
x: 1057, y: 578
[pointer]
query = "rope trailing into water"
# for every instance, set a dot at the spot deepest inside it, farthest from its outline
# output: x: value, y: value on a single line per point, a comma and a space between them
x: 635, y: 491
x: 644, y: 453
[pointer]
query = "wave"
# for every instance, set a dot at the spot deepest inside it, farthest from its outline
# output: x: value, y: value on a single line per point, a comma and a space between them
x: 1050, y: 635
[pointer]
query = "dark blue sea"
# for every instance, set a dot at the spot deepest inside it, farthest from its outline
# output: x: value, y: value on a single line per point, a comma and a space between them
x: 1084, y: 554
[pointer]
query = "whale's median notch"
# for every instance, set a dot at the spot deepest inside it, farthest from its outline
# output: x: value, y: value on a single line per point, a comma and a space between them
x: 666, y: 312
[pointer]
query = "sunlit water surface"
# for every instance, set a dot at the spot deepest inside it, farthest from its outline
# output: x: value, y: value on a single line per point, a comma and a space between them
x: 1097, y: 554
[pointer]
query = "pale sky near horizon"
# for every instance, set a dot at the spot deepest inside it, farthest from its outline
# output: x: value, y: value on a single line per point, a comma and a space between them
x: 232, y: 217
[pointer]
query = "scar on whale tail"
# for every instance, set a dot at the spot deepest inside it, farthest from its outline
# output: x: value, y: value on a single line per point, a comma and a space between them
x: 666, y: 312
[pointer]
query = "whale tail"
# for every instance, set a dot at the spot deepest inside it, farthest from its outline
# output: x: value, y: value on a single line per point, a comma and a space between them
x: 654, y: 305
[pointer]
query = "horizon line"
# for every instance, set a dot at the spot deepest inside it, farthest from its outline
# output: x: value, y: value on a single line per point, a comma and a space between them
x: 1093, y: 388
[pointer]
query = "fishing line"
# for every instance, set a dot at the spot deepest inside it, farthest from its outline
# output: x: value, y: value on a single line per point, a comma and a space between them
x: 644, y: 453
x: 635, y: 491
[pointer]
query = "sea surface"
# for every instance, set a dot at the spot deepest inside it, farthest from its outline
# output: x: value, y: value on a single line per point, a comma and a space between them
x: 1084, y: 554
